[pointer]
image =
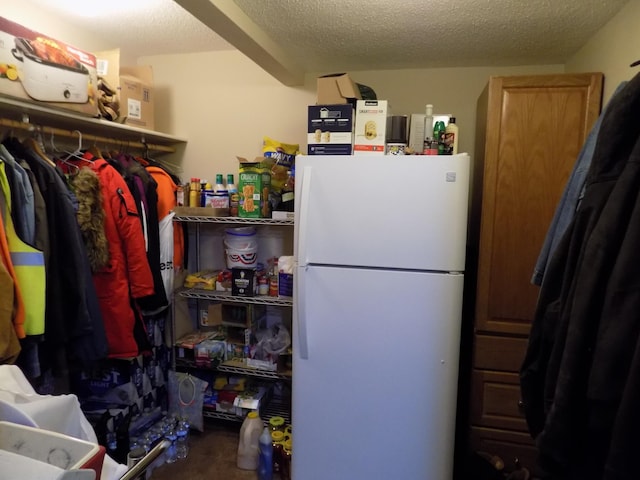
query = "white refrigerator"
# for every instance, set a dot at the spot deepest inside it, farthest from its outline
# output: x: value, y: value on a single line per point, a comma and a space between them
x: 380, y: 254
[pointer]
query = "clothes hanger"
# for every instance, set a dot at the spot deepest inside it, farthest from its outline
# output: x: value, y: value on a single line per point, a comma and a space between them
x: 36, y: 144
x: 73, y: 168
x: 77, y: 154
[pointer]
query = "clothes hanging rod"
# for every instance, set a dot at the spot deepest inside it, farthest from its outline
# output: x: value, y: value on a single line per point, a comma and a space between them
x: 72, y: 134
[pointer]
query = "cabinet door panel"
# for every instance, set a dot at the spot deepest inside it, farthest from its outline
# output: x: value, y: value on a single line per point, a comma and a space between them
x: 510, y: 446
x: 499, y: 353
x: 497, y: 402
x: 535, y: 128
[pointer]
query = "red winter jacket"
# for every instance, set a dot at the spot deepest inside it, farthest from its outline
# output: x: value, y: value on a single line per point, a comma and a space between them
x: 128, y: 274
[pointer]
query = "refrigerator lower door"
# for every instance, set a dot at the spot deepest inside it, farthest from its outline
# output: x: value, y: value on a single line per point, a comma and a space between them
x: 375, y: 373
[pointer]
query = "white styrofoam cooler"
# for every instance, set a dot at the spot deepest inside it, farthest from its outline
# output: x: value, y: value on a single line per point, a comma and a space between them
x: 70, y: 457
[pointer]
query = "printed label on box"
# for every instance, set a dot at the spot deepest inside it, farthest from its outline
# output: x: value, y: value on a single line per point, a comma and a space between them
x: 330, y: 129
x: 371, y: 126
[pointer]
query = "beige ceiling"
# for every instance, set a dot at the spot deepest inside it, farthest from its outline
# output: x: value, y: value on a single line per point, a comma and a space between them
x: 289, y: 38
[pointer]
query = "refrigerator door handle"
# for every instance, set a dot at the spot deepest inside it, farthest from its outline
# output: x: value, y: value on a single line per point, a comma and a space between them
x: 303, y: 218
x: 300, y: 313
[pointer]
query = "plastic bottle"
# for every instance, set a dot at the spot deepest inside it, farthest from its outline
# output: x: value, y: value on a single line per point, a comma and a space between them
x: 451, y: 137
x: 205, y: 187
x: 234, y: 198
x: 265, y: 463
x: 182, y: 440
x: 171, y: 452
x: 248, y: 444
x: 428, y: 130
x: 194, y: 192
x: 219, y: 183
x: 438, y: 134
x: 287, y: 199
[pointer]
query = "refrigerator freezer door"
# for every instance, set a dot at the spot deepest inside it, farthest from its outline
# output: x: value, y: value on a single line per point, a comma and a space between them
x: 375, y: 396
x: 382, y: 211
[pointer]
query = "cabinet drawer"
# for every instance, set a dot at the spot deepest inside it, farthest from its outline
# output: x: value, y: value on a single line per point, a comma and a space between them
x: 509, y: 446
x: 496, y: 400
x: 499, y: 353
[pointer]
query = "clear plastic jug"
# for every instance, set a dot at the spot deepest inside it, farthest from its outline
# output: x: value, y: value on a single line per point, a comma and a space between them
x: 248, y: 444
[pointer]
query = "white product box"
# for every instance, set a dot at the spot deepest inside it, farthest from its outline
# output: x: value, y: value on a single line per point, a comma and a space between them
x: 371, y: 127
x: 416, y: 132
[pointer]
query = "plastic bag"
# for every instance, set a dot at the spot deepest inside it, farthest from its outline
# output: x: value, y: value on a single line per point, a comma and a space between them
x: 186, y: 396
x: 283, y: 156
x: 272, y: 341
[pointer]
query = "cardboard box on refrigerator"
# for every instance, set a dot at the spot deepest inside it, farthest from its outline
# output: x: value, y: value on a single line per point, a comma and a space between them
x: 371, y: 127
x: 336, y: 88
x: 43, y: 70
x: 330, y: 129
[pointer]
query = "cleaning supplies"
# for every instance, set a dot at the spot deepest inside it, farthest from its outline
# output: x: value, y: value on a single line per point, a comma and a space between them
x: 265, y: 462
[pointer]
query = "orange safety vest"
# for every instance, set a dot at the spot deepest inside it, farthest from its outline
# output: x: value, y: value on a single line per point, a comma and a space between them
x: 28, y: 264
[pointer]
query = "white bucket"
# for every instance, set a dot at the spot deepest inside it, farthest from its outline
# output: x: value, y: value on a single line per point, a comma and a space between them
x: 241, y: 247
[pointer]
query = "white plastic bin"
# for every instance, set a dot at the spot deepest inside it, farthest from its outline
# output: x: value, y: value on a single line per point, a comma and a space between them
x: 55, y: 449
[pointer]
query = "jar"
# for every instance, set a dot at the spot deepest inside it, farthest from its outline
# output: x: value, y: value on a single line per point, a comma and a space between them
x: 276, y: 424
x: 263, y: 285
x: 277, y: 439
x: 285, y: 465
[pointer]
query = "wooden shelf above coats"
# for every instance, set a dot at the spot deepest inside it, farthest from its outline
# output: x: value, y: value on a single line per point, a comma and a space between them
x: 17, y: 114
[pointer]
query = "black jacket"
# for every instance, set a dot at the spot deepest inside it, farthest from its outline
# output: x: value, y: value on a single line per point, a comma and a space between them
x: 580, y: 379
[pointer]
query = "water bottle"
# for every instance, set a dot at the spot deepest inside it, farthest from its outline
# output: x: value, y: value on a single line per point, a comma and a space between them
x: 182, y: 440
x: 265, y: 461
x: 170, y: 452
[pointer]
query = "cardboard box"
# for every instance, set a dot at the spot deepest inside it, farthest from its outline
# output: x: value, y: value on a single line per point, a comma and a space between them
x: 243, y: 282
x: 371, y: 127
x: 136, y: 96
x: 336, y: 88
x: 43, y: 70
x: 416, y: 133
x: 285, y: 284
x: 330, y: 129
x: 134, y: 86
x: 210, y: 353
x: 234, y: 314
x: 254, y: 186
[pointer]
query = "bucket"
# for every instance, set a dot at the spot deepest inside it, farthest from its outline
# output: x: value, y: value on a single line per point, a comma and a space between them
x: 248, y: 444
x: 241, y: 247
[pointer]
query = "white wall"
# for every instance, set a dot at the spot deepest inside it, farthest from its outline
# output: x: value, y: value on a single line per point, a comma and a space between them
x: 224, y: 104
x: 612, y: 49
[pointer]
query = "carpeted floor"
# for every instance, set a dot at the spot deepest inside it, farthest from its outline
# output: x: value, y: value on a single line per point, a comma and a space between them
x: 212, y: 455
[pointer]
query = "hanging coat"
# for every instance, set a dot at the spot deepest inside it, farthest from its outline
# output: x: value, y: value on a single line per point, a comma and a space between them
x: 127, y: 276
x: 28, y: 263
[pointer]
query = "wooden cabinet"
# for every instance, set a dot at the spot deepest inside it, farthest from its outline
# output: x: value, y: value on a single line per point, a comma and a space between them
x: 530, y: 132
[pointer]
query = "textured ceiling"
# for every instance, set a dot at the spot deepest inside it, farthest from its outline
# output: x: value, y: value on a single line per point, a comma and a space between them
x: 382, y: 34
x: 291, y: 37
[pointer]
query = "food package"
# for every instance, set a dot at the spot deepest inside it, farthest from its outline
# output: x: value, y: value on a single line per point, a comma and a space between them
x: 283, y: 156
x: 205, y: 279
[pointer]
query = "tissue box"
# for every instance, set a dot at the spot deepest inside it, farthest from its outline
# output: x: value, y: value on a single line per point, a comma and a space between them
x: 285, y: 284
